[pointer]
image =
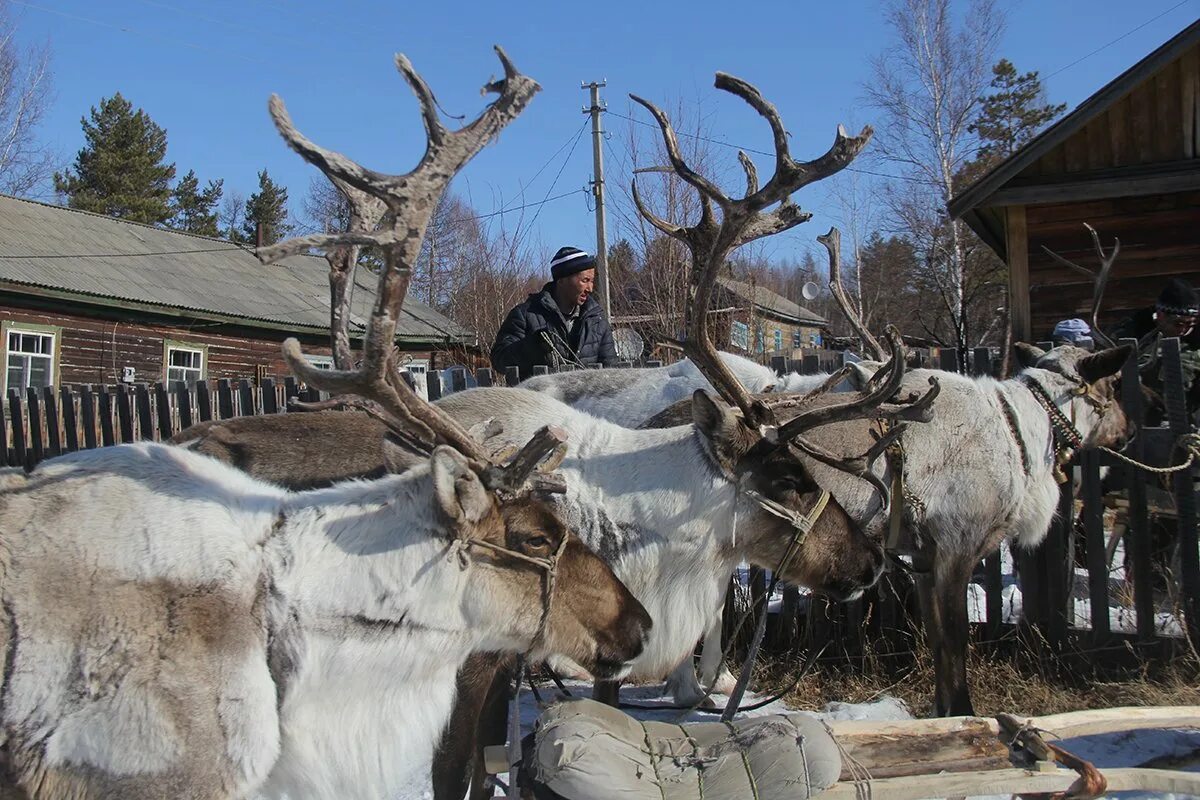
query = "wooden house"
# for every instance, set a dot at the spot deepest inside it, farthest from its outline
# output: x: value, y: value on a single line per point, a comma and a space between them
x: 1127, y: 161
x: 86, y: 298
x: 762, y: 323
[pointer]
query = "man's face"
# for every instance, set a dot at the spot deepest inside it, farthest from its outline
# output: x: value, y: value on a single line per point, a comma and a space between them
x: 574, y: 289
x: 1174, y: 324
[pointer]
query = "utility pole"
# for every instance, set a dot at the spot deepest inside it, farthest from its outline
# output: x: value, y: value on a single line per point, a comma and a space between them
x: 598, y: 192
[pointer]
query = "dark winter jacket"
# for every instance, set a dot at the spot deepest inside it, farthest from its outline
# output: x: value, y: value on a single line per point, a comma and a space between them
x: 521, y: 343
x: 1139, y: 326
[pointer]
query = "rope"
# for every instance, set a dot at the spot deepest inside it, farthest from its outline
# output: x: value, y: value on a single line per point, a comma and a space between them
x: 1189, y: 442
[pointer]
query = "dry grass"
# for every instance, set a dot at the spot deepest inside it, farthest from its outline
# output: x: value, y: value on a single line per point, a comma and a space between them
x: 1016, y: 684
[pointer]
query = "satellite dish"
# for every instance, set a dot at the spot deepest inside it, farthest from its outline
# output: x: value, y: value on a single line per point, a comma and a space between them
x: 809, y: 290
x: 629, y: 344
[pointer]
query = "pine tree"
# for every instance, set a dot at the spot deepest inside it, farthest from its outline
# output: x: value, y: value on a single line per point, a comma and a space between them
x: 120, y: 170
x: 196, y: 210
x: 1012, y: 114
x: 268, y: 207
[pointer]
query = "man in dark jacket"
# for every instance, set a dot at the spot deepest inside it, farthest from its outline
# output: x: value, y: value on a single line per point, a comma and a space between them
x: 1174, y: 314
x: 560, y: 325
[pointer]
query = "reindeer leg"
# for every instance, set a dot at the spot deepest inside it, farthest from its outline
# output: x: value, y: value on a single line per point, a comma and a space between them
x: 458, y: 760
x: 607, y: 692
x: 713, y: 671
x: 950, y: 579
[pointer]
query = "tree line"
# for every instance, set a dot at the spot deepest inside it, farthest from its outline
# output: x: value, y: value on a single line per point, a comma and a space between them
x: 121, y: 171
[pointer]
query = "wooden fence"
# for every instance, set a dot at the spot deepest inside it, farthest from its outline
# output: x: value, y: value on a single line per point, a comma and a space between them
x: 42, y: 423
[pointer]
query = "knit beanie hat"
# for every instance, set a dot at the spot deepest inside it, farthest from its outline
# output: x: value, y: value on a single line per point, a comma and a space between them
x: 568, y: 261
x: 1075, y: 332
x: 1178, y: 298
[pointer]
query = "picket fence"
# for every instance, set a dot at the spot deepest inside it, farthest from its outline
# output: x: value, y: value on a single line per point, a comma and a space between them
x: 1067, y: 610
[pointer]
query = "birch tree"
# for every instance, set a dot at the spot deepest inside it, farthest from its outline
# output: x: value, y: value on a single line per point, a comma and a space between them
x: 927, y: 87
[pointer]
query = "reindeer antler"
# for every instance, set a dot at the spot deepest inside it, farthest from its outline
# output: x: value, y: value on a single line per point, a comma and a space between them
x: 742, y: 220
x: 409, y: 200
x: 1099, y: 277
x: 833, y: 243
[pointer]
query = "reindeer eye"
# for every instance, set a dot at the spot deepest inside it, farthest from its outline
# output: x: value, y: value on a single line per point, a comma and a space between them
x: 537, y: 542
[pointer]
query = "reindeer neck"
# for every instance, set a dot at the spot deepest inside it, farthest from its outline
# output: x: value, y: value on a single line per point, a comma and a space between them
x: 1052, y: 417
x: 368, y: 631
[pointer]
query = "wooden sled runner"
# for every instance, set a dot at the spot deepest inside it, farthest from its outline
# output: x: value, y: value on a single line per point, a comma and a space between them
x: 582, y: 750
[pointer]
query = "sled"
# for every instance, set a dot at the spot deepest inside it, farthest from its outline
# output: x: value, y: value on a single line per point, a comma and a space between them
x: 582, y: 750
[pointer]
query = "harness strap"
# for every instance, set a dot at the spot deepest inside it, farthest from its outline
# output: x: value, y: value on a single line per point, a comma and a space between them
x: 1010, y: 416
x: 1066, y: 437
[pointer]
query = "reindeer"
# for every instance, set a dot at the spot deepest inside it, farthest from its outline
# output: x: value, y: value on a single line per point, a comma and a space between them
x: 986, y: 467
x: 661, y: 504
x: 629, y: 397
x: 173, y: 626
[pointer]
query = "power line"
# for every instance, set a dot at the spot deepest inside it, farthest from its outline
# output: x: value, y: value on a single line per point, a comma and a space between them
x: 1119, y: 38
x: 764, y: 152
x: 526, y: 205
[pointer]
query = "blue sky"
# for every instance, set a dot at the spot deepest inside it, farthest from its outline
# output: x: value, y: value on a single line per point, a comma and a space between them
x: 204, y: 71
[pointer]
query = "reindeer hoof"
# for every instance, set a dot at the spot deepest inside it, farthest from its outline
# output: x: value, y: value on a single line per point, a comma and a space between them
x: 725, y: 682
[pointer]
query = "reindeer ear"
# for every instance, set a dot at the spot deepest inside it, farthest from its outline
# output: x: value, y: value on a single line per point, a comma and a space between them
x: 1107, y: 362
x: 861, y: 372
x: 1028, y: 355
x: 459, y: 492
x: 722, y: 427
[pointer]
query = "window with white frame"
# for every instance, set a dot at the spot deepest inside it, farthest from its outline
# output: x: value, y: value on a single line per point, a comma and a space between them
x: 778, y: 340
x: 29, y: 357
x: 797, y: 339
x: 320, y: 362
x: 739, y: 335
x: 185, y: 363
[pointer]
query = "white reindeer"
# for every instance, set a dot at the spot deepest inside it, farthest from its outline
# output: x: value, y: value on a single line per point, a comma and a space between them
x: 629, y: 397
x: 174, y: 627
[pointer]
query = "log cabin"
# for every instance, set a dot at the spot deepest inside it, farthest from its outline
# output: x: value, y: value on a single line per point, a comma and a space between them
x: 89, y: 299
x: 1127, y: 161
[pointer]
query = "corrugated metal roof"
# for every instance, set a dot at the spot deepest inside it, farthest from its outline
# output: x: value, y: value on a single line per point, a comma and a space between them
x: 771, y: 301
x: 100, y: 257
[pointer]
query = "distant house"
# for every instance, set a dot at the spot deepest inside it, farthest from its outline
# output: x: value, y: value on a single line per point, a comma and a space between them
x: 91, y: 299
x: 1127, y: 161
x: 763, y: 323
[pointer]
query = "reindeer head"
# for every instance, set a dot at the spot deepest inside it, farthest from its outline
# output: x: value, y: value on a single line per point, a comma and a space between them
x: 538, y: 587
x: 1085, y: 386
x: 800, y: 526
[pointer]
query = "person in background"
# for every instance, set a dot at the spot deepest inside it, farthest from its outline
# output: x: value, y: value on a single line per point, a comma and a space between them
x: 561, y: 325
x: 1173, y: 314
x: 1073, y: 332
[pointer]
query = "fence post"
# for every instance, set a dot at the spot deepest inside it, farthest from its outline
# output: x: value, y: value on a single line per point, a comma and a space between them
x: 183, y: 399
x: 458, y: 379
x: 125, y: 412
x: 246, y: 405
x: 17, y: 414
x: 1185, y: 497
x: 1097, y: 562
x: 270, y: 401
x: 812, y: 364
x: 512, y: 376
x: 795, y: 365
x: 162, y: 409
x: 290, y: 390
x: 981, y: 362
x: 87, y: 410
x: 33, y: 403
x: 433, y: 385
x: 540, y: 369
x: 224, y: 398
x: 654, y: 362
x: 53, y: 426
x: 145, y: 423
x: 483, y: 376
x: 948, y: 359
x: 779, y: 364
x: 108, y: 435
x: 1137, y: 532
x: 203, y: 401
x: 70, y: 420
